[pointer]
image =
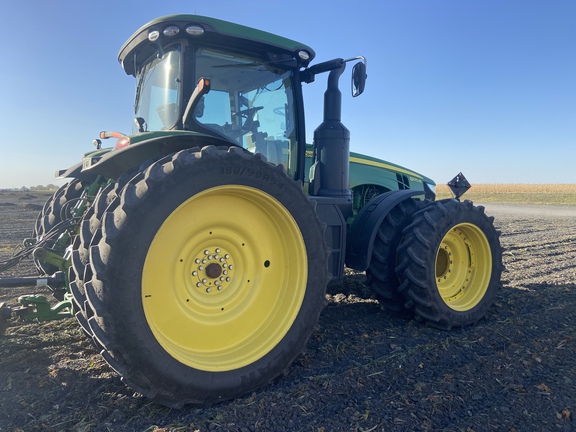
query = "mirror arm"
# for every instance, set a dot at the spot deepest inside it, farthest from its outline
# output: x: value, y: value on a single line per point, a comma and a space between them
x: 202, y: 88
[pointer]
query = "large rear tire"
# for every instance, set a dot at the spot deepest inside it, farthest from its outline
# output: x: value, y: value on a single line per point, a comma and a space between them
x: 209, y: 276
x: 450, y: 263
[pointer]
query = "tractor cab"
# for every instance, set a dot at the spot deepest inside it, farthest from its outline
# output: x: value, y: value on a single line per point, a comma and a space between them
x: 238, y: 84
x: 211, y: 77
x: 241, y: 98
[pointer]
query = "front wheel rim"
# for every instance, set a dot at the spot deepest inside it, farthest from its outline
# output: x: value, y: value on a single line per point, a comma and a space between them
x: 463, y: 267
x: 224, y: 278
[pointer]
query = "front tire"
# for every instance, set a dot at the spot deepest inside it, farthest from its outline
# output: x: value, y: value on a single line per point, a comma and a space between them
x: 209, y: 277
x: 450, y: 263
x: 381, y: 275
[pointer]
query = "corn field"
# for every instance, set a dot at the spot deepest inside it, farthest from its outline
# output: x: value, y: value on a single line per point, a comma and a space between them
x: 540, y: 194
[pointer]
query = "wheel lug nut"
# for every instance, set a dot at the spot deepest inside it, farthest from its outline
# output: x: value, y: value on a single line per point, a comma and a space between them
x: 208, y: 290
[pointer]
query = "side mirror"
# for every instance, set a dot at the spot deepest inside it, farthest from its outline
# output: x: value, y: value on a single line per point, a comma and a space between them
x: 358, y: 78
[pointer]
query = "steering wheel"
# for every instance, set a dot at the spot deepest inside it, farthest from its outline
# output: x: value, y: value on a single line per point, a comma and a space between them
x: 249, y: 112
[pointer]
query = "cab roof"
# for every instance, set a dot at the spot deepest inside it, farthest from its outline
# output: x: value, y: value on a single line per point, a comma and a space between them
x: 138, y: 48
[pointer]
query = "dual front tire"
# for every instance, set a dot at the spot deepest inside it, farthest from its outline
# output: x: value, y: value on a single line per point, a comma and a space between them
x: 444, y: 268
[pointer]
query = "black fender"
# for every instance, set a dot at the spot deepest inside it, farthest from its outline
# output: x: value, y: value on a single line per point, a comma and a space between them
x: 76, y: 172
x: 366, y: 223
x: 116, y: 162
x: 72, y: 172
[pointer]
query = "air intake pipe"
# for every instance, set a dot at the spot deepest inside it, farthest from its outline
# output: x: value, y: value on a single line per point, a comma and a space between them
x: 329, y: 175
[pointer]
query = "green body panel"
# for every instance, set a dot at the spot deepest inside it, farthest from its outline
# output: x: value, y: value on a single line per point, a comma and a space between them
x: 367, y: 170
x: 364, y: 170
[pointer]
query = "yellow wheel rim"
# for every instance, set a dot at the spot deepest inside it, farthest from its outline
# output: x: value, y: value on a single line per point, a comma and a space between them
x: 224, y: 278
x: 463, y: 267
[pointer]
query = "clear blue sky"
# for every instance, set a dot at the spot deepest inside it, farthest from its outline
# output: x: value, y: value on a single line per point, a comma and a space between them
x: 486, y: 87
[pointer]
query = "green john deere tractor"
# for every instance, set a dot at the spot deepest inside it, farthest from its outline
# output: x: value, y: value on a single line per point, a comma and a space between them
x: 195, y: 253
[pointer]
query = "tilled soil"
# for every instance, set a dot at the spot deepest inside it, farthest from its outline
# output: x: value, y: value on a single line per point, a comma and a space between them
x: 362, y: 370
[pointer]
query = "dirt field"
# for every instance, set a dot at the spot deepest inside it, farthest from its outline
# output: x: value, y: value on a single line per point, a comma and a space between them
x: 363, y: 370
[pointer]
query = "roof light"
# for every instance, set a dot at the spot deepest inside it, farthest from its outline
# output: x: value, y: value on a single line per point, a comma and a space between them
x: 304, y: 55
x: 171, y: 31
x: 194, y: 30
x: 153, y: 35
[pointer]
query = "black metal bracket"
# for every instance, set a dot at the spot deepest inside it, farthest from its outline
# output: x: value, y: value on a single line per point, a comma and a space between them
x: 459, y: 185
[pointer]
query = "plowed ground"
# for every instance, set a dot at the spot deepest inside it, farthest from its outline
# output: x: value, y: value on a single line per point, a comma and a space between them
x: 362, y: 370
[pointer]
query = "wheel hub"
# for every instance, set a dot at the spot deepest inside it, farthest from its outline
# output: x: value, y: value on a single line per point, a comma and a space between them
x: 212, y: 270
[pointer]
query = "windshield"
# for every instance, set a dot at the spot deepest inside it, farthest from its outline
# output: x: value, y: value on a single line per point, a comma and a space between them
x: 250, y: 102
x: 158, y: 93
